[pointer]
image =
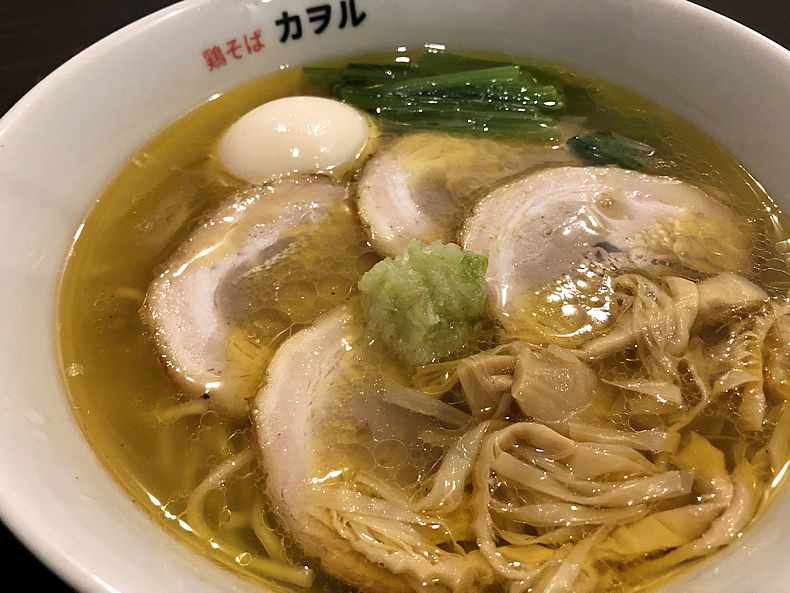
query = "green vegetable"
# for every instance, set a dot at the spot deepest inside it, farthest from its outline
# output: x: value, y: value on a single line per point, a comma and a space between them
x: 612, y: 149
x: 427, y: 304
x: 358, y: 74
x: 447, y: 92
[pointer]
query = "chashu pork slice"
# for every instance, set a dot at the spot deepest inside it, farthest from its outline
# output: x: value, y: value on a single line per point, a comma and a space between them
x: 206, y: 288
x: 323, y: 420
x: 423, y: 184
x: 555, y: 237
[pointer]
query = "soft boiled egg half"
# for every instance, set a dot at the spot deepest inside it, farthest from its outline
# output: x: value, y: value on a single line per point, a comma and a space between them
x: 294, y: 135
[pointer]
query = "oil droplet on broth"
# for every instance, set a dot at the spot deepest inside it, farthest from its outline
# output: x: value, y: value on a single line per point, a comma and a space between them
x: 297, y: 299
x: 333, y: 286
x: 244, y: 559
x: 366, y: 261
x: 391, y: 453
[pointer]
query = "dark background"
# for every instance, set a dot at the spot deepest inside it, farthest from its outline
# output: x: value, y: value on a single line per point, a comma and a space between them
x: 36, y: 36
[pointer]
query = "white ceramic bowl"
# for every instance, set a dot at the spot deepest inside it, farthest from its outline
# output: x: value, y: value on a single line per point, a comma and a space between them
x: 62, y: 143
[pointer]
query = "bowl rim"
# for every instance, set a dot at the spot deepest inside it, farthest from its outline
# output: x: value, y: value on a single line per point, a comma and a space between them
x: 52, y: 552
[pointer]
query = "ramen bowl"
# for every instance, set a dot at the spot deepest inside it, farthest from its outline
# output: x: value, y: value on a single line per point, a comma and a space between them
x: 63, y: 142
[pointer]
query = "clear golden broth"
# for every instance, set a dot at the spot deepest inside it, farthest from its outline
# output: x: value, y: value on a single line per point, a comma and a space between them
x: 118, y: 387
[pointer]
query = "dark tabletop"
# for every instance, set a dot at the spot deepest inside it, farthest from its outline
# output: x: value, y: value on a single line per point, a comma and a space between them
x: 36, y: 36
